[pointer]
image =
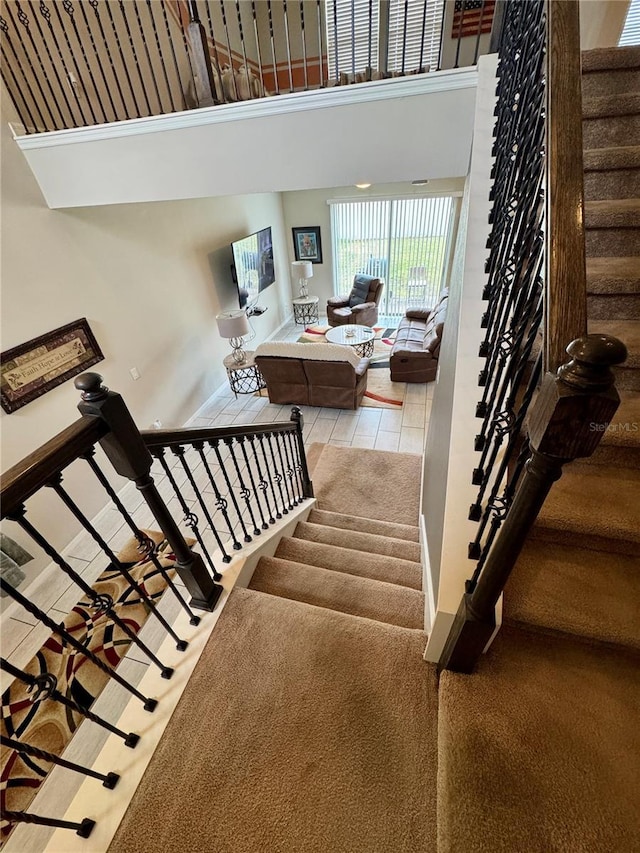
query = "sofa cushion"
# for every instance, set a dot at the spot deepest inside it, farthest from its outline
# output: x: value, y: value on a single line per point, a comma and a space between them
x: 360, y: 290
x: 418, y: 313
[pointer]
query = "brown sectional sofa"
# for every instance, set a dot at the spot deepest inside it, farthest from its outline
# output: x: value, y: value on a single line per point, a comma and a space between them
x: 313, y: 374
x: 414, y: 357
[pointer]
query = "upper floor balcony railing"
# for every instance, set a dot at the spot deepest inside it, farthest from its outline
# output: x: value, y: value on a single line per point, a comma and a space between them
x: 76, y: 63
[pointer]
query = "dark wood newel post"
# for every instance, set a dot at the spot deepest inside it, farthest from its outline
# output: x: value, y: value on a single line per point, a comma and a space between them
x: 127, y: 452
x: 296, y: 417
x: 568, y: 420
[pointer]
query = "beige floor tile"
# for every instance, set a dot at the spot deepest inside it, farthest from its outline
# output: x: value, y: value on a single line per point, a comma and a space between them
x: 413, y: 415
x: 391, y: 420
x: 411, y: 440
x: 368, y: 422
x: 387, y: 441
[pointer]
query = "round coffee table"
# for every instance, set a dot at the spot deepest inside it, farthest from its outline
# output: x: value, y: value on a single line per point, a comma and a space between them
x: 361, y: 339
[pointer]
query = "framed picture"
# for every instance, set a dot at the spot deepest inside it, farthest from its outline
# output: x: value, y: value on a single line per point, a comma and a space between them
x: 307, y: 245
x: 30, y: 370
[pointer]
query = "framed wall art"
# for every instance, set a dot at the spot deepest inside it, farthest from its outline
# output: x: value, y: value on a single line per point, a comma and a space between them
x: 31, y: 369
x: 307, y: 245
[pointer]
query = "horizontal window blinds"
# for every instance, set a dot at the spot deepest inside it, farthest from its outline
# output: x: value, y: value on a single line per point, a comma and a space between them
x: 631, y: 32
x: 409, y: 22
x: 352, y: 35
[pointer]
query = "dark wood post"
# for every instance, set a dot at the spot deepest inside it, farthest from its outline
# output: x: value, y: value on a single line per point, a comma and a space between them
x: 127, y: 452
x: 568, y: 420
x: 201, y: 67
x: 307, y: 485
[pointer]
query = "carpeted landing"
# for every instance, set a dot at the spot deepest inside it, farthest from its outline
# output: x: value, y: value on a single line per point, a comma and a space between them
x: 310, y: 723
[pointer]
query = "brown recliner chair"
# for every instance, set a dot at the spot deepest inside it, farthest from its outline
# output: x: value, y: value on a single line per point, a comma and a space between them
x: 360, y: 307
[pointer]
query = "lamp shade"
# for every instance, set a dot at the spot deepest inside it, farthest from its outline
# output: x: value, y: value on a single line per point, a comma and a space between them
x: 233, y: 324
x: 302, y: 269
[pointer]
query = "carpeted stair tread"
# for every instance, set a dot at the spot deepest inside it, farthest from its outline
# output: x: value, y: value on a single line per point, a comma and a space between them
x: 318, y: 730
x: 609, y: 106
x: 612, y: 213
x: 624, y: 429
x: 369, y: 483
x: 629, y: 333
x: 596, y: 505
x: 576, y: 591
x: 365, y: 525
x: 376, y: 566
x: 608, y: 159
x: 346, y: 593
x: 613, y: 275
x: 538, y: 749
x: 609, y: 58
x: 363, y: 542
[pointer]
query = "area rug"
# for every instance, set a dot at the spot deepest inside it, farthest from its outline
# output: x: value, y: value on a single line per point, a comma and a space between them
x: 382, y: 344
x: 47, y: 724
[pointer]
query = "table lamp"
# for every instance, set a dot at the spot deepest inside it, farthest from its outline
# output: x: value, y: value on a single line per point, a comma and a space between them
x: 233, y: 325
x: 302, y: 270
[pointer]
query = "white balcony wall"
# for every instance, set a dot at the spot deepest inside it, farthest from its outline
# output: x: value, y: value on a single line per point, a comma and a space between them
x: 385, y: 131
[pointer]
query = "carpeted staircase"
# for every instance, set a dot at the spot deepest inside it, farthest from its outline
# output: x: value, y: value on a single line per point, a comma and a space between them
x: 538, y: 750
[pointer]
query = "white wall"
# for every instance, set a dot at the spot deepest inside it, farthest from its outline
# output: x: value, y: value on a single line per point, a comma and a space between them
x: 602, y: 22
x: 383, y: 131
x: 310, y: 207
x: 149, y: 278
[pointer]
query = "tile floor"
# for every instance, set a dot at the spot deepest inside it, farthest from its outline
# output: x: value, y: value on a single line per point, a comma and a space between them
x: 22, y: 635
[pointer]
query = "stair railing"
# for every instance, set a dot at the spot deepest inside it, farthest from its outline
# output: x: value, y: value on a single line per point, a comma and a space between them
x: 537, y: 413
x: 248, y: 476
x: 76, y: 63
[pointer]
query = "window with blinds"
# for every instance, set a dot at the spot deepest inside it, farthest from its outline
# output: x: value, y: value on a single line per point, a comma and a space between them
x: 358, y: 29
x: 414, y: 34
x: 406, y: 242
x: 631, y: 32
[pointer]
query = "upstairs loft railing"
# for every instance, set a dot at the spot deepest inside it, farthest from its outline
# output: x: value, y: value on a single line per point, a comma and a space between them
x: 229, y: 485
x: 75, y: 63
x: 535, y: 411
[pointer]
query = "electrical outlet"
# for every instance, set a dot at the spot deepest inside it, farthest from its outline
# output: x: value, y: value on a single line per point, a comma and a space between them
x: 157, y: 424
x: 135, y: 373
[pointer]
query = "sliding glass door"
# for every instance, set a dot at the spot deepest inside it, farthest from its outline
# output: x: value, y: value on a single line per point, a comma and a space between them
x: 406, y: 242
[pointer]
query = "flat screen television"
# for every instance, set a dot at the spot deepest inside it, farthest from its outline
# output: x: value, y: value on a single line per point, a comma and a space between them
x: 253, y: 267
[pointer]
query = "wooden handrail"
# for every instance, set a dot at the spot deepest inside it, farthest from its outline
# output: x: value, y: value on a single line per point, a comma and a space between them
x: 27, y: 476
x: 188, y: 435
x: 566, y: 295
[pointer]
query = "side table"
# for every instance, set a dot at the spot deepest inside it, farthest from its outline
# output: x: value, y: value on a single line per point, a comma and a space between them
x: 305, y: 310
x: 244, y: 378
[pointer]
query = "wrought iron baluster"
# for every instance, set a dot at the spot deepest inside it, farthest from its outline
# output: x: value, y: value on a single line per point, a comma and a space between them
x: 146, y: 546
x: 216, y: 448
x: 226, y: 31
x: 94, y: 51
x: 135, y: 54
x: 241, y: 441
x: 67, y: 5
x: 221, y: 504
x: 277, y: 476
x: 5, y: 30
x: 190, y: 518
x: 477, y: 50
x: 404, y: 35
x: 34, y: 610
x: 284, y: 471
x: 162, y: 62
x: 261, y: 439
x: 257, y: 40
x: 273, y: 48
x: 370, y: 45
x: 320, y: 50
x: 148, y: 55
x: 244, y: 52
x: 219, y: 93
x: 304, y: 46
x: 100, y: 602
x: 109, y: 780
x: 263, y: 483
x: 24, y: 20
x: 422, y: 35
x: 46, y: 687
x: 30, y: 126
x: 46, y: 14
x: 83, y: 829
x: 116, y: 76
x: 296, y: 467
x: 245, y: 493
x: 173, y: 53
x: 285, y: 14
x: 181, y: 645
x: 122, y: 59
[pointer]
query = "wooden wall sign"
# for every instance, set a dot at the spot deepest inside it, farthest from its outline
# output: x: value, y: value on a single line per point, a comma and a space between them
x: 30, y: 370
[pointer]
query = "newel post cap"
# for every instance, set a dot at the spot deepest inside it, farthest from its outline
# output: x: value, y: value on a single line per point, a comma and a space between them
x: 592, y: 357
x: 91, y: 387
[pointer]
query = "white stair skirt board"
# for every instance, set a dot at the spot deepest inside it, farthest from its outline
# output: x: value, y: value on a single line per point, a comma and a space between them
x: 108, y: 807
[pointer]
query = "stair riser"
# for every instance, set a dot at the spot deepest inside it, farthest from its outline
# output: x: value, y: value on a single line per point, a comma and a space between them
x: 598, y: 83
x: 609, y: 131
x: 611, y: 454
x: 605, y: 242
x: 616, y: 183
x: 613, y: 307
x: 593, y: 543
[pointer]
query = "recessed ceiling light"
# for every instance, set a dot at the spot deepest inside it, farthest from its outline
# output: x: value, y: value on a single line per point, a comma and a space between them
x: 363, y: 186
x: 420, y: 182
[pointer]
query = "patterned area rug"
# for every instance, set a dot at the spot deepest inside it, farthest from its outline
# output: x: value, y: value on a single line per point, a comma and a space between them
x: 49, y: 725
